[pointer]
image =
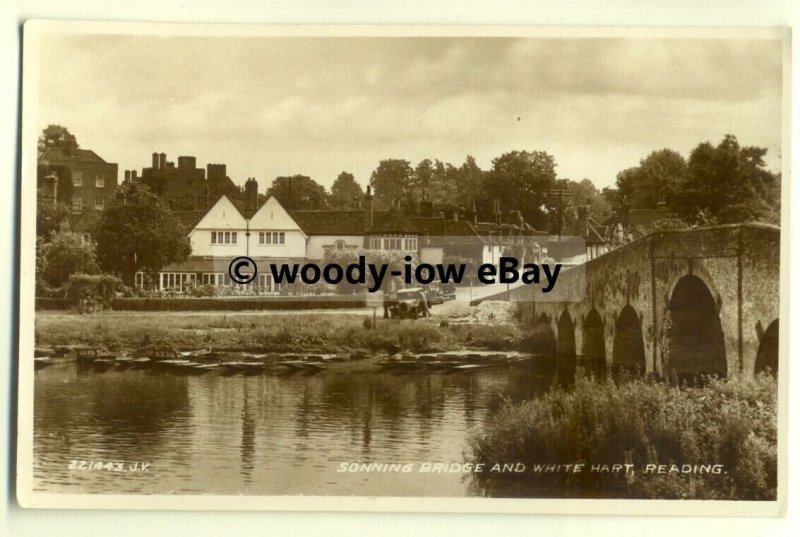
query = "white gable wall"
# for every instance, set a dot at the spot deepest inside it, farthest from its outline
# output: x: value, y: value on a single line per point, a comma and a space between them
x: 223, y: 216
x: 272, y: 217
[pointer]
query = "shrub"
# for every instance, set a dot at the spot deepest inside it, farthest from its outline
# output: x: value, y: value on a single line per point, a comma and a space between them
x: 91, y: 291
x: 732, y: 423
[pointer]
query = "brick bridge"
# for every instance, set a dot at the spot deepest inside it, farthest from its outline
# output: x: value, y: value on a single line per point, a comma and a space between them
x: 673, y: 303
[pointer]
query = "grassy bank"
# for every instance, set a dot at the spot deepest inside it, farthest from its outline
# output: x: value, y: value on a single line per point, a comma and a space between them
x: 276, y: 333
x: 729, y: 423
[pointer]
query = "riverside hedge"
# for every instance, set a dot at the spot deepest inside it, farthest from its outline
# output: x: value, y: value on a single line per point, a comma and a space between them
x: 732, y: 423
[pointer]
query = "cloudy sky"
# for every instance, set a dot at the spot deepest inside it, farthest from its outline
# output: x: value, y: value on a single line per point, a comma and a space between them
x: 316, y: 106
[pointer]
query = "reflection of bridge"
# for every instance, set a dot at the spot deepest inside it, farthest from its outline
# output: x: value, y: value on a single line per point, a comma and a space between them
x: 702, y: 300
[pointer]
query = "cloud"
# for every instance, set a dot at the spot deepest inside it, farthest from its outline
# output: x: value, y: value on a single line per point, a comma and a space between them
x: 269, y: 106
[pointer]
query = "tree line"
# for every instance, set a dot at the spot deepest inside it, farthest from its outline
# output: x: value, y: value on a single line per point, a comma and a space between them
x: 716, y: 184
x: 723, y: 183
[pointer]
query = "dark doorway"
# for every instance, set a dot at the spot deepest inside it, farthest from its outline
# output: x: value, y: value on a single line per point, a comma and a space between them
x: 594, y: 346
x: 628, y: 354
x: 767, y: 357
x: 695, y: 344
x: 565, y: 360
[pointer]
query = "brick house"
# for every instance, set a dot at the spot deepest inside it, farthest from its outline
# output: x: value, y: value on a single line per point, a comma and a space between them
x: 94, y: 181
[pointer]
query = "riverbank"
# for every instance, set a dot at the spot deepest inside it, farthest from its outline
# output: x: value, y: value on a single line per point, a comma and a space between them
x: 287, y: 332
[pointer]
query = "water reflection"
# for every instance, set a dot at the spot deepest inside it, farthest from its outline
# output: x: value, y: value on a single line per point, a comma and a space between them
x: 262, y: 434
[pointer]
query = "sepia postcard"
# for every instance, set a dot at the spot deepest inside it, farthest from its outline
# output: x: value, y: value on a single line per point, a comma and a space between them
x: 450, y: 269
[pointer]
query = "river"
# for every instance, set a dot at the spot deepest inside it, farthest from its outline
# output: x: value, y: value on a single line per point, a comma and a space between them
x: 260, y: 435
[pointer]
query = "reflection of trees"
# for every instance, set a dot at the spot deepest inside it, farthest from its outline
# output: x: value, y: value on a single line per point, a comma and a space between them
x: 137, y: 405
x: 129, y: 409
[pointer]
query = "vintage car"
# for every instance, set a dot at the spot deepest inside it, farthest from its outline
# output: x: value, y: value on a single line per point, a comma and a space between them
x: 434, y: 296
x: 408, y: 304
x: 448, y: 291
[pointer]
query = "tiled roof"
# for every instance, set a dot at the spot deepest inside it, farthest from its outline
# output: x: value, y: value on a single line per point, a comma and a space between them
x: 392, y: 222
x: 240, y: 207
x: 457, y: 231
x: 189, y: 219
x: 329, y: 222
x: 59, y: 154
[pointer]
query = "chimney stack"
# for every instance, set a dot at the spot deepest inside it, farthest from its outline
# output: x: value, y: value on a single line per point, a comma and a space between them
x: 368, y: 209
x: 250, y: 196
x: 156, y: 160
x: 426, y: 205
x: 162, y: 161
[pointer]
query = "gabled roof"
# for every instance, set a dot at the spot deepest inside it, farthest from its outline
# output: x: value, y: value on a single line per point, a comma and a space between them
x: 329, y: 222
x: 57, y: 154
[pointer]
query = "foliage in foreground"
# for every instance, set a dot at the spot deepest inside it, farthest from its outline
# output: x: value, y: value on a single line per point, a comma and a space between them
x: 728, y: 422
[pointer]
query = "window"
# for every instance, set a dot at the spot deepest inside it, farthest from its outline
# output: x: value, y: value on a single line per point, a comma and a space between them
x: 340, y: 245
x: 77, y: 203
x: 100, y: 180
x: 224, y: 237
x: 270, y: 237
x: 77, y: 178
x: 99, y: 203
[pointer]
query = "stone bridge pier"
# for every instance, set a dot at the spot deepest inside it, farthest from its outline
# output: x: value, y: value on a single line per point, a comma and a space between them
x: 671, y: 304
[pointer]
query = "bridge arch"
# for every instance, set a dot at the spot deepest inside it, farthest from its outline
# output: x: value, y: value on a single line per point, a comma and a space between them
x: 565, y: 345
x: 628, y: 351
x: 767, y: 356
x: 693, y: 339
x: 593, y: 348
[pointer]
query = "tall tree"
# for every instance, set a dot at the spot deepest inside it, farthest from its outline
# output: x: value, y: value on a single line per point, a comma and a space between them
x: 56, y: 136
x: 299, y: 192
x: 139, y: 233
x: 660, y: 177
x: 470, y: 181
x: 345, y: 191
x: 729, y: 183
x: 522, y: 180
x: 393, y: 180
